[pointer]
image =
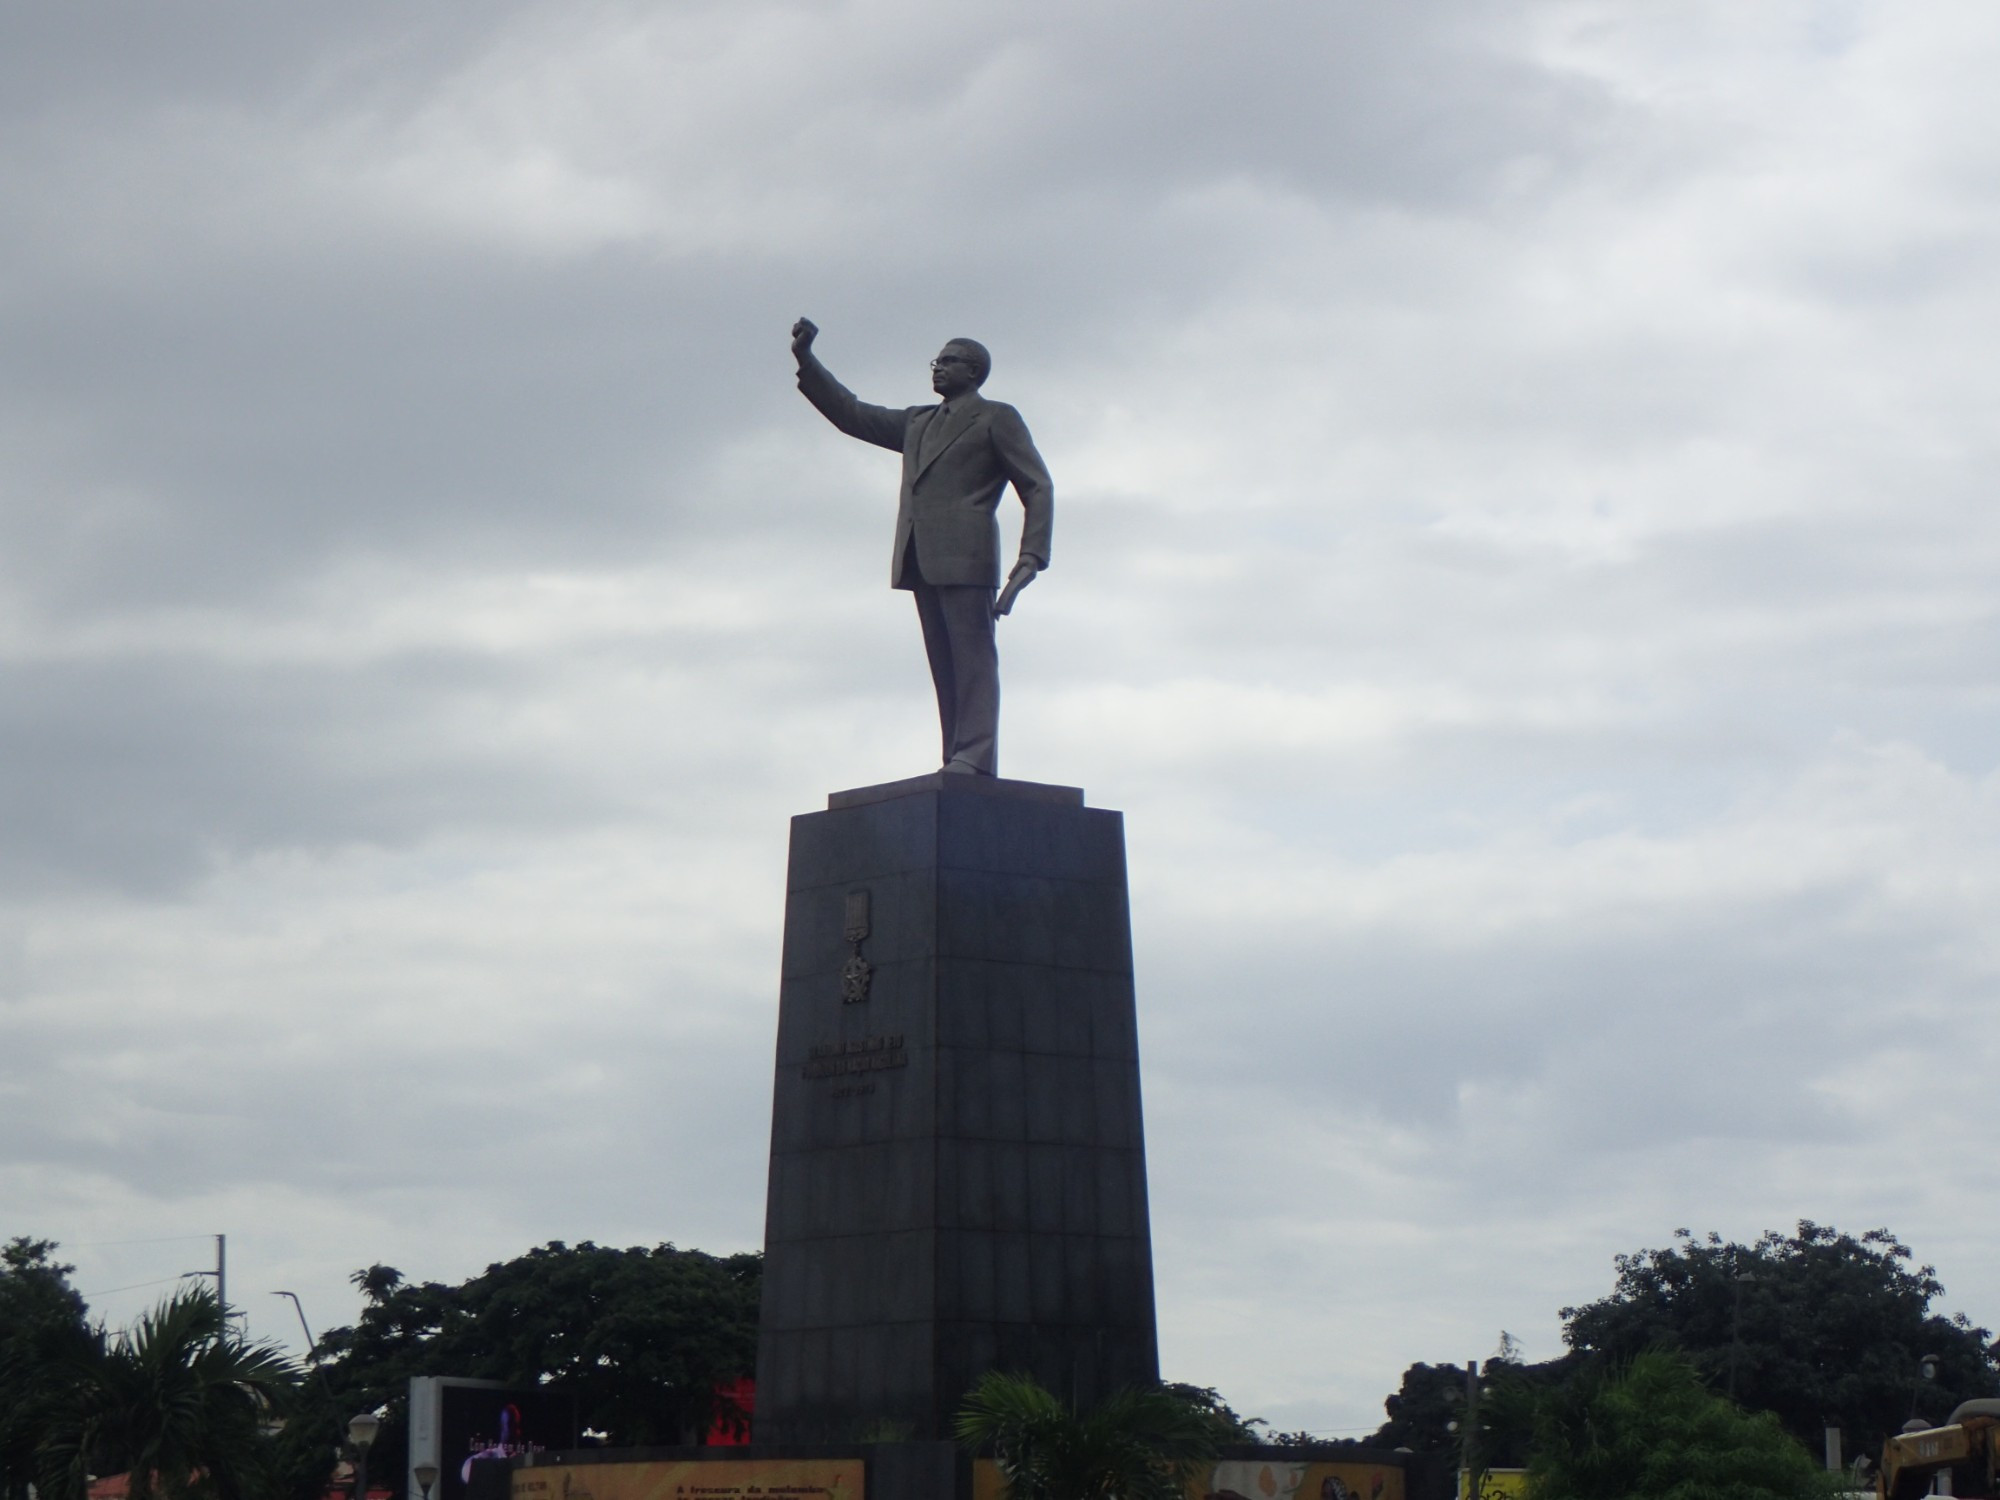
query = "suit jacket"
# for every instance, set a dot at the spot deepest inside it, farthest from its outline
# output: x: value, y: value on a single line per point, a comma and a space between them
x: 952, y: 479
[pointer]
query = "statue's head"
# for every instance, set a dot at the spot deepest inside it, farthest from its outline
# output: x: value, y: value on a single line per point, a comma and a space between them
x: 961, y: 366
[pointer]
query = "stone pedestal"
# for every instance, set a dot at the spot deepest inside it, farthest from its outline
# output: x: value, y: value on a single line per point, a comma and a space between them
x: 958, y: 1178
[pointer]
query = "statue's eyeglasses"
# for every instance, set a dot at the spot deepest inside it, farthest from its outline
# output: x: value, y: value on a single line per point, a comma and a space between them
x: 949, y: 359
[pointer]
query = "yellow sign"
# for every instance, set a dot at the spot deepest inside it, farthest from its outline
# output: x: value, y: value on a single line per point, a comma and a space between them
x: 718, y: 1479
x: 1256, y: 1479
x: 1496, y: 1484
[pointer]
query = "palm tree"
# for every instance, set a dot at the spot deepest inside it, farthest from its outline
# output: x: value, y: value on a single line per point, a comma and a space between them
x: 1139, y: 1444
x: 175, y: 1399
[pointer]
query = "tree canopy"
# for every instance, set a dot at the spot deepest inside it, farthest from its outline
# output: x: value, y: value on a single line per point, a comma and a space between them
x: 1427, y: 1414
x: 43, y: 1326
x: 1206, y: 1398
x: 1423, y: 1410
x: 641, y: 1337
x: 1817, y: 1327
x: 1654, y: 1431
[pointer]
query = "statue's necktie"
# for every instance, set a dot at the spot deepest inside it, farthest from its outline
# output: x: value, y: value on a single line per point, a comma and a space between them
x: 933, y: 434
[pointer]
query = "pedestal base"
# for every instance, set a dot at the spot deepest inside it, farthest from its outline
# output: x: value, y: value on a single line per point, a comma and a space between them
x: 958, y: 1177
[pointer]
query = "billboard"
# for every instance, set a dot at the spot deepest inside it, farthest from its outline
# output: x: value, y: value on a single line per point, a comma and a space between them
x: 716, y: 1479
x: 455, y: 1420
x: 1281, y: 1479
x: 1255, y: 1479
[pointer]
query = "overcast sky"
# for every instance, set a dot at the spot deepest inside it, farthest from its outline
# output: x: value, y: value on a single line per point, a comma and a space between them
x: 1524, y: 568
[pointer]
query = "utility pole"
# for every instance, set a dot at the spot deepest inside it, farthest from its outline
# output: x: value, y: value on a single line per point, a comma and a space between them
x: 220, y: 1273
x: 1469, y: 1448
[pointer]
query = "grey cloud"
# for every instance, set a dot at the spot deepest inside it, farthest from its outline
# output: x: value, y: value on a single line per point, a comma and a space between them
x: 257, y: 405
x: 143, y: 775
x: 67, y: 63
x: 1712, y: 1023
x: 267, y: 430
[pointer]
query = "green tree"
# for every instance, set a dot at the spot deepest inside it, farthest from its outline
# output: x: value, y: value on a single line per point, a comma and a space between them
x: 1138, y: 1444
x: 177, y: 1400
x: 1654, y: 1430
x: 1428, y: 1412
x: 640, y: 1337
x: 1424, y: 1411
x: 43, y: 1329
x: 1816, y: 1326
x: 1207, y: 1398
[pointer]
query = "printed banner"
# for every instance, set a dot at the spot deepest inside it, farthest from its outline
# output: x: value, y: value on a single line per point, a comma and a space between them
x: 1276, y: 1479
x: 721, y: 1479
x: 454, y: 1421
x: 1255, y: 1479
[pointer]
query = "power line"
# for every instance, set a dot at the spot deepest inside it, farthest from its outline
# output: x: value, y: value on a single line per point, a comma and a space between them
x: 163, y: 1239
x: 107, y: 1291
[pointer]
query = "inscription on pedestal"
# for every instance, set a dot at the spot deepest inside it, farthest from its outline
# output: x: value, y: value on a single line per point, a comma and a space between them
x: 865, y: 1055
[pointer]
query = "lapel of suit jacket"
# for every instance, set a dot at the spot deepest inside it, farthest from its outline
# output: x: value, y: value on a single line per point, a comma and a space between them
x: 930, y: 443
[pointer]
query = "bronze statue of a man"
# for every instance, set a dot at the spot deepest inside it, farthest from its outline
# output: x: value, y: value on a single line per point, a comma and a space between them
x: 958, y: 457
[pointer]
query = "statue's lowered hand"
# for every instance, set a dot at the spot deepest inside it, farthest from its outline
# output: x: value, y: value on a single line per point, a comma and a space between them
x: 1020, y: 578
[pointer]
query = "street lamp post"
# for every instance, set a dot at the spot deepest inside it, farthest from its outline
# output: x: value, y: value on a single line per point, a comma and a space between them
x: 299, y: 1308
x: 426, y: 1476
x: 1927, y: 1371
x: 361, y: 1430
x: 1466, y: 1426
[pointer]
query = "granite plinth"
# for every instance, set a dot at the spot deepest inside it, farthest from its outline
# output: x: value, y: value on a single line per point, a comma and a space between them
x: 951, y: 781
x: 957, y: 1177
